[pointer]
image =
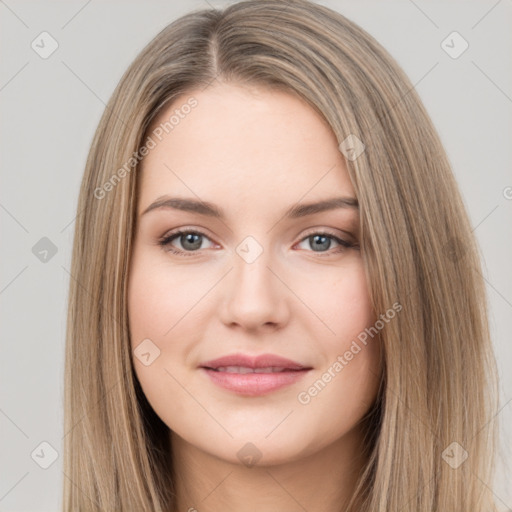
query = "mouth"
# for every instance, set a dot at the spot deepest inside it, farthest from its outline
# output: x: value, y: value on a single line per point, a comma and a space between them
x: 245, y: 369
x: 254, y: 376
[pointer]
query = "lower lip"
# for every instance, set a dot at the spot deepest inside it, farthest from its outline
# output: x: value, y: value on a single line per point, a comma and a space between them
x: 254, y: 384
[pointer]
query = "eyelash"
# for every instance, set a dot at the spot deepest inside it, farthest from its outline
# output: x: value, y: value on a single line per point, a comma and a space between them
x: 165, y: 242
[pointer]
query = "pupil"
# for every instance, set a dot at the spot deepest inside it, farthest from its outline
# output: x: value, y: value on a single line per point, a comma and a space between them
x: 325, y: 245
x: 189, y: 239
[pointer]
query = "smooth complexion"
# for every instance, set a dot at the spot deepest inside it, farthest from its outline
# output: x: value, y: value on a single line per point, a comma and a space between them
x: 253, y: 153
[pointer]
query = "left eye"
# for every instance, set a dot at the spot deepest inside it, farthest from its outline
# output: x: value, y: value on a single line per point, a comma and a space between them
x: 191, y: 242
x: 321, y: 241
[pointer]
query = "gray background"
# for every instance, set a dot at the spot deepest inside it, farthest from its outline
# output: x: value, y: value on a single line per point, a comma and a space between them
x: 50, y: 109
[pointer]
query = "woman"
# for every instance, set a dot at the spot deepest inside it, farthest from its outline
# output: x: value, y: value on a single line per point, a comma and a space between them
x: 252, y: 369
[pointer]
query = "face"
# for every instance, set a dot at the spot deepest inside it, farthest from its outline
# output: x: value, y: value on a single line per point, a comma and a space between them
x: 252, y: 281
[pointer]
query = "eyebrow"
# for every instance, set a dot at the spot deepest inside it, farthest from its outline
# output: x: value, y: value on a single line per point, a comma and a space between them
x: 211, y: 210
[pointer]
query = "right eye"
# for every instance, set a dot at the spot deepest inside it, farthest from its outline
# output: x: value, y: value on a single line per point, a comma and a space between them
x: 190, y: 240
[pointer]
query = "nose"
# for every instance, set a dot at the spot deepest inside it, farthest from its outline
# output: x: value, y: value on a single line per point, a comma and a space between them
x: 255, y: 296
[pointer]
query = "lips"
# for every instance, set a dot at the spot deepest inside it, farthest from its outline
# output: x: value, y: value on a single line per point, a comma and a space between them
x: 253, y: 376
x: 244, y: 369
x: 261, y: 362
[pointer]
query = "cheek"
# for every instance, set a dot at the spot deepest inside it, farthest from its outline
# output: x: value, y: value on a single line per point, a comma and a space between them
x: 360, y: 345
x: 166, y: 304
x: 347, y: 383
x: 159, y: 296
x: 344, y: 304
x: 156, y: 303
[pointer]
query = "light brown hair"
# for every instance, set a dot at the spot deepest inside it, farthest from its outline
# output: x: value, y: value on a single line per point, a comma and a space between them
x: 416, y: 241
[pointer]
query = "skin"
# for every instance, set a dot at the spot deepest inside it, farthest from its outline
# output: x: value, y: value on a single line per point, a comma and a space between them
x: 254, y: 153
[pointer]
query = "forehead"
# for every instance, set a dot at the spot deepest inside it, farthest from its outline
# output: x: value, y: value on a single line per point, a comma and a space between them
x: 245, y: 146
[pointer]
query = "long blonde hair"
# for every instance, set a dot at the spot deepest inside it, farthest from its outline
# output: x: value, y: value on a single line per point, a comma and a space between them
x: 438, y: 392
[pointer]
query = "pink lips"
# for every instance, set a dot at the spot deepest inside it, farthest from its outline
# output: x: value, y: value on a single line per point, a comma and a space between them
x: 253, y: 376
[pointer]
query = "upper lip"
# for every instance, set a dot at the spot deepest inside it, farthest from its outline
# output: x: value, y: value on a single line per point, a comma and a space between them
x: 261, y: 361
